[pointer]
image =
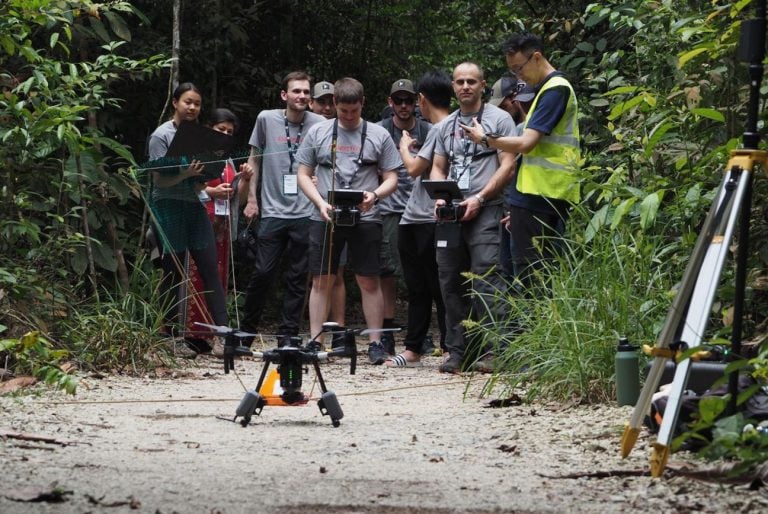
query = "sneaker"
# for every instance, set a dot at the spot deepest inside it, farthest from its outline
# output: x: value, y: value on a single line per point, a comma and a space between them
x: 179, y: 348
x: 376, y: 353
x: 388, y: 342
x: 451, y: 365
x: 428, y: 347
x: 314, y: 346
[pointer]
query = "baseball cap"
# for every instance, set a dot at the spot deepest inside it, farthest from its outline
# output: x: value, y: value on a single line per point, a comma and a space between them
x: 502, y: 88
x: 402, y: 85
x: 322, y: 89
x: 527, y: 94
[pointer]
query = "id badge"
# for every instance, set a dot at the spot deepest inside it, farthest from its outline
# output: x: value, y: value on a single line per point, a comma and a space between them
x: 290, y: 185
x: 462, y: 177
x: 221, y: 207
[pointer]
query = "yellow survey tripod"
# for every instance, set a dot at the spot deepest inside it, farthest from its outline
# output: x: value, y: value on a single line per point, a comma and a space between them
x: 687, y: 318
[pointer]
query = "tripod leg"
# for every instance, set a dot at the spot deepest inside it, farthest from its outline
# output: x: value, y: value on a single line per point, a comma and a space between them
x: 698, y: 313
x: 680, y: 306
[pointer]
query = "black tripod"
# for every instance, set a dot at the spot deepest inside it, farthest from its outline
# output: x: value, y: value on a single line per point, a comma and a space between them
x: 687, y: 318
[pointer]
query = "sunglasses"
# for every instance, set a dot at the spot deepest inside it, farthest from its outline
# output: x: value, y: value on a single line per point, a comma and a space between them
x: 404, y: 100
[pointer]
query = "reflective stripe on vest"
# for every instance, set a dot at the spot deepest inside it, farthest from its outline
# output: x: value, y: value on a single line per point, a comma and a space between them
x: 549, y: 169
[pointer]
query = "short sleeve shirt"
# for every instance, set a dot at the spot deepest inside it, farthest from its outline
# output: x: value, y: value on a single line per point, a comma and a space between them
x: 395, y: 203
x: 468, y: 161
x: 549, y: 109
x: 277, y: 141
x: 420, y: 207
x: 378, y: 155
x: 159, y: 142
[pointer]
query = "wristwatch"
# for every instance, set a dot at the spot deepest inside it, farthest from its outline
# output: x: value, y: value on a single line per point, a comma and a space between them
x: 375, y: 197
x: 480, y: 200
x: 484, y: 140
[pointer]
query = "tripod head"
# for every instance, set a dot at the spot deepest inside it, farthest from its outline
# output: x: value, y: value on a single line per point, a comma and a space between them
x: 752, y: 51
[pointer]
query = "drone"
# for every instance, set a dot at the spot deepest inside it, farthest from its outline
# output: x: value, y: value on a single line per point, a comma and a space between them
x: 233, y: 346
x: 292, y: 359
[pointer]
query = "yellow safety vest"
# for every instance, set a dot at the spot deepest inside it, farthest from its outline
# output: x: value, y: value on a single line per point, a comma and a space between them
x: 550, y: 168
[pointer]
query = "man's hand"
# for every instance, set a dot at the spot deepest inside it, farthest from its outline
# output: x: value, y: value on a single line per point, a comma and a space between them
x: 251, y: 209
x: 325, y: 211
x: 475, y: 132
x: 471, y: 208
x: 406, y: 142
x: 369, y: 200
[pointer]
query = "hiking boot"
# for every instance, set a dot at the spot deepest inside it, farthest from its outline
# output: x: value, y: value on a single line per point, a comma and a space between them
x: 485, y: 364
x: 451, y: 365
x: 388, y: 342
x: 427, y: 347
x: 217, y: 349
x: 179, y: 348
x: 376, y: 353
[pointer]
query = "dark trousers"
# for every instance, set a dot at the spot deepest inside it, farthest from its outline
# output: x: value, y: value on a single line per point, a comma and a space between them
x: 478, y: 252
x: 531, y: 239
x: 278, y: 238
x: 416, y: 243
x: 207, y: 266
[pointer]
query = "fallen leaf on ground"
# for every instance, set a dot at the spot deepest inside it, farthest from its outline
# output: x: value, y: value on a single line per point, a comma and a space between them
x: 17, y: 383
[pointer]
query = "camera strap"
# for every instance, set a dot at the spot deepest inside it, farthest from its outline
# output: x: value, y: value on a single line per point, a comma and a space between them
x: 334, y: 143
x: 466, y: 157
x: 291, y: 147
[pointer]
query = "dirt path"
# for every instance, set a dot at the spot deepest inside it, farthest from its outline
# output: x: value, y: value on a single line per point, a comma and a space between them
x: 409, y: 442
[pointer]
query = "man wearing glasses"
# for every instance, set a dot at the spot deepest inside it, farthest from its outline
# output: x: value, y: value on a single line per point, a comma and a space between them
x: 402, y: 101
x: 546, y: 182
x: 322, y: 100
x: 480, y: 174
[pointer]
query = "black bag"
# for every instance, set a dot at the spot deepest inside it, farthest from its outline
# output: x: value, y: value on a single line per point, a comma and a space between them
x: 247, y: 242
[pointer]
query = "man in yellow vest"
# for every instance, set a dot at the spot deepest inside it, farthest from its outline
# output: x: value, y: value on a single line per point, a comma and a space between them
x: 546, y: 182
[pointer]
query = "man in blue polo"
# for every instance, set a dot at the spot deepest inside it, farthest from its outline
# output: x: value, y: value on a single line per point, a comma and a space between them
x: 546, y: 182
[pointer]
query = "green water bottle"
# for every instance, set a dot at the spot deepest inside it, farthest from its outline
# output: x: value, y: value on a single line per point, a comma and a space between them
x: 627, y: 373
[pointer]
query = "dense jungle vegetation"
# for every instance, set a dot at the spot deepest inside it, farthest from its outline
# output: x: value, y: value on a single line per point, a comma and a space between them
x: 662, y: 102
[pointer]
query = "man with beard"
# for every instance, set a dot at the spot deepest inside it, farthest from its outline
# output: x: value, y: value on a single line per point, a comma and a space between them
x: 402, y: 101
x: 480, y: 175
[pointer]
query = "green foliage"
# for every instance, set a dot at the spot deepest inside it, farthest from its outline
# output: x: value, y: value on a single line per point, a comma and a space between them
x: 33, y: 354
x: 63, y: 180
x: 121, y: 332
x: 598, y: 289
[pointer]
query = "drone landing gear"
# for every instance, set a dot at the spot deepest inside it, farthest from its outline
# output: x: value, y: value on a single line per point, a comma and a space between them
x: 291, y: 361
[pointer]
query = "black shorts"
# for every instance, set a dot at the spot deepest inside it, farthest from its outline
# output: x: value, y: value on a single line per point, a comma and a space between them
x: 363, y: 242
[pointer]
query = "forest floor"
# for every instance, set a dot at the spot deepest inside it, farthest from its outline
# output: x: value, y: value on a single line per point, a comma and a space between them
x: 411, y: 440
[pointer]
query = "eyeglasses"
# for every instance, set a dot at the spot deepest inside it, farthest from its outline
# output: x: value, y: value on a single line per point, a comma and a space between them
x: 518, y: 68
x: 404, y: 100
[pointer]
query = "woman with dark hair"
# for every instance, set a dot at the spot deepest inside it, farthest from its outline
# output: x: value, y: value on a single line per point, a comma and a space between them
x: 222, y: 198
x: 181, y: 220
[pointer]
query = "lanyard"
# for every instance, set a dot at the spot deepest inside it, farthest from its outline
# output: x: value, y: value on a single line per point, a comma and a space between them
x: 466, y: 157
x: 293, y: 148
x: 359, y: 161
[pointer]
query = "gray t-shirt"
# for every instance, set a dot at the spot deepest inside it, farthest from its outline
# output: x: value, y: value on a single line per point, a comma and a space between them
x: 420, y: 207
x: 472, y: 165
x: 280, y: 196
x: 379, y: 155
x: 159, y: 142
x: 396, y: 202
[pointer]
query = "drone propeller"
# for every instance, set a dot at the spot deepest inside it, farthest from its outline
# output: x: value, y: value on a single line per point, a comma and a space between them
x: 377, y: 330
x: 219, y: 329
